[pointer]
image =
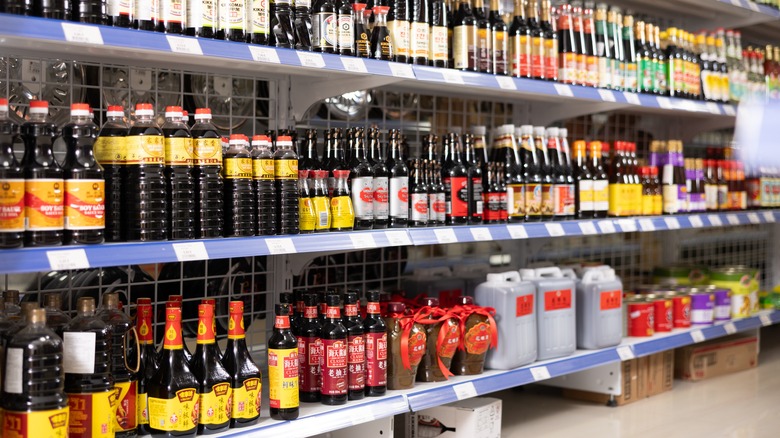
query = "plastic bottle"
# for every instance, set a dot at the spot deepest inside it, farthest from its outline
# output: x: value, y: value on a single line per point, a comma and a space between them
x: 56, y: 319
x: 180, y: 203
x: 44, y: 185
x: 207, y: 166
x: 321, y: 201
x: 147, y: 363
x: 84, y: 180
x: 310, y: 351
x: 214, y: 391
x: 110, y: 151
x: 283, y: 367
x: 11, y: 183
x: 245, y: 378
x: 307, y: 217
x: 264, y: 188
x: 89, y: 381
x: 202, y: 18
x: 286, y: 175
x: 238, y: 192
x: 233, y: 20
x: 341, y: 207
x: 334, y: 360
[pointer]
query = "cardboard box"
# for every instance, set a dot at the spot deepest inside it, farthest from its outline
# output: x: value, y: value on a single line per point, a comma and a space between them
x: 660, y: 373
x: 470, y: 418
x: 716, y: 358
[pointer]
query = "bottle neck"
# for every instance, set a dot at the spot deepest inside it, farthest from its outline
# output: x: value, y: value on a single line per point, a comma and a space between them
x: 38, y: 117
x: 282, y: 323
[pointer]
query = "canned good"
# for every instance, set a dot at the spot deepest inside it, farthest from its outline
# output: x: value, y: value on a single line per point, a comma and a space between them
x: 663, y: 312
x: 744, y: 284
x: 680, y: 275
x: 702, y: 307
x: 722, y: 296
x: 641, y: 317
x: 681, y: 308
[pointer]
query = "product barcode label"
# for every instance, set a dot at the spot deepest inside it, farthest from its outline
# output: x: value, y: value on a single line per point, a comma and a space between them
x: 281, y: 245
x: 563, y: 90
x: 555, y: 230
x: 715, y: 220
x: 646, y: 225
x: 78, y: 33
x: 361, y: 415
x: 78, y: 352
x: 264, y: 54
x: 354, y: 64
x: 14, y: 369
x: 697, y: 336
x: 362, y: 240
x: 451, y: 76
x: 769, y: 216
x: 398, y: 238
x: 189, y: 46
x: 588, y: 228
x: 481, y: 234
x: 540, y: 373
x: 517, y: 231
x: 730, y: 328
x: 664, y: 102
x: 446, y: 235
x: 627, y: 225
x: 732, y: 219
x: 696, y: 221
x: 606, y: 95
x: 465, y: 390
x: 506, y: 83
x: 323, y: 219
x: 313, y: 60
x: 672, y: 223
x: 186, y: 252
x: 765, y: 319
x: 63, y: 260
x: 401, y: 70
x: 607, y: 227
x: 625, y: 352
x: 632, y: 98
x: 753, y: 218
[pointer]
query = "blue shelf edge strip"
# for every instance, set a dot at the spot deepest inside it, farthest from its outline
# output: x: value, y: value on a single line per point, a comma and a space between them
x: 118, y: 254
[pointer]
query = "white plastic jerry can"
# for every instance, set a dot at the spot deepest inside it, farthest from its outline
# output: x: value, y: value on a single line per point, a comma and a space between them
x: 556, y: 328
x: 514, y: 301
x: 599, y: 309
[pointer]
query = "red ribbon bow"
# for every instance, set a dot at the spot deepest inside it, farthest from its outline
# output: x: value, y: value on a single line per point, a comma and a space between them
x: 467, y: 310
x: 406, y: 322
x: 429, y: 313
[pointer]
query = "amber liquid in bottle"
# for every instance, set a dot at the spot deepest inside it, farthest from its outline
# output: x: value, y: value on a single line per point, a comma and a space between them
x: 207, y: 160
x: 245, y: 377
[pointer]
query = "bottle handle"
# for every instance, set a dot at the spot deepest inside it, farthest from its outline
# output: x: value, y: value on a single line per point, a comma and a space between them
x: 137, y: 351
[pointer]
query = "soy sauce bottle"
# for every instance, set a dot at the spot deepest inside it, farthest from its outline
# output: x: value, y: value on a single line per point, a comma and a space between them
x: 362, y: 183
x: 474, y: 182
x: 286, y: 176
x: 282, y: 30
x: 310, y: 348
x: 418, y: 195
x: 110, y: 152
x: 381, y: 181
x: 144, y: 16
x: 381, y: 42
x: 245, y: 378
x: 56, y: 319
x: 170, y: 16
x: 121, y: 15
x: 283, y: 367
x: 399, y: 182
x: 333, y: 362
x: 323, y: 27
x: 455, y: 178
x: 263, y: 181
x: 302, y: 25
x: 147, y: 363
x: 207, y: 166
x: 11, y: 183
x: 309, y: 158
x: 238, y: 193
x: 180, y: 203
x: 202, y: 19
x: 376, y: 346
x: 356, y: 346
x: 44, y: 221
x: 89, y: 11
x: 214, y: 389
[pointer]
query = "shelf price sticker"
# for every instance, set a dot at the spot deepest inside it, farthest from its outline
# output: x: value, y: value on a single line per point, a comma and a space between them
x: 607, y: 95
x: 451, y: 76
x: 540, y: 373
x: 715, y: 220
x: 765, y: 319
x: 481, y: 234
x: 646, y: 225
x: 401, y: 70
x: 446, y: 235
x: 697, y: 336
x: 729, y: 110
x: 186, y: 45
x: 607, y: 227
x: 79, y: 33
x: 465, y: 390
x: 625, y: 352
x: 362, y: 240
x: 313, y: 60
x: 264, y: 54
x: 632, y: 98
x: 64, y: 260
x: 563, y: 90
x: 360, y: 415
x: 517, y: 231
x: 280, y: 245
x: 627, y: 225
x: 769, y: 217
x: 730, y: 328
x: 733, y: 219
x: 555, y: 230
x: 664, y: 102
x: 398, y: 238
x: 753, y: 218
x: 713, y: 108
x: 672, y: 223
x: 696, y: 221
x: 186, y: 252
x: 506, y: 83
x: 588, y: 228
x: 752, y: 5
x: 354, y: 64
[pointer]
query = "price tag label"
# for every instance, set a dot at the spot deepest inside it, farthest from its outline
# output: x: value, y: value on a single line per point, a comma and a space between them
x: 540, y: 373
x: 66, y: 259
x: 753, y: 218
x: 481, y: 234
x: 729, y: 110
x: 451, y: 76
x: 732, y: 219
x: 446, y: 235
x: 398, y: 238
x: 625, y: 352
x: 401, y: 70
x: 632, y: 98
x: 563, y: 90
x: 715, y: 220
x: 588, y: 228
x: 607, y: 95
x: 753, y: 6
x: 765, y: 319
x: 736, y: 3
x: 517, y: 231
x: 646, y: 225
x: 308, y: 59
x: 555, y: 230
x: 506, y: 83
x: 79, y: 33
x: 361, y: 415
x: 696, y: 221
x: 189, y: 251
x: 697, y: 336
x: 354, y: 64
x: 362, y: 240
x: 627, y: 225
x: 664, y: 102
x: 713, y: 108
x: 264, y: 54
x: 465, y: 390
x: 730, y: 328
x: 607, y: 227
x: 190, y: 46
x: 672, y: 223
x: 281, y: 245
x: 769, y: 217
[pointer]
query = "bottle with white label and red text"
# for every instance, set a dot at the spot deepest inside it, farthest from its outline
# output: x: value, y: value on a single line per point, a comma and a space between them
x: 345, y: 19
x: 455, y: 177
x: 333, y: 361
x: 202, y: 19
x: 11, y: 183
x: 381, y: 181
x: 376, y: 346
x: 324, y: 32
x: 362, y: 183
x: 418, y: 195
x: 259, y: 22
x: 399, y: 182
x: 232, y: 18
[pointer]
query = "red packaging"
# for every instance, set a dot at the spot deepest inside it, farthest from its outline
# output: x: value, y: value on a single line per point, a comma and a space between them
x: 457, y: 189
x: 641, y: 319
x: 356, y: 357
x: 663, y: 315
x: 681, y: 311
x: 376, y: 359
x: 334, y: 367
x: 309, y: 354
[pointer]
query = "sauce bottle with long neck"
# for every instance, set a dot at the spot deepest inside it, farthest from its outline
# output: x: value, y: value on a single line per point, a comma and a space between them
x: 418, y: 195
x: 324, y: 27
x: 603, y: 47
x: 499, y: 41
x: 438, y: 46
x: 644, y: 54
x: 362, y: 184
x: 202, y: 18
x: 214, y: 391
x: 567, y: 73
x: 520, y: 42
x: 206, y: 176
x: 258, y: 22
x: 321, y: 201
x: 238, y: 194
x: 399, y: 182
x: 474, y: 182
x: 120, y: 14
x: 484, y: 39
x: 464, y: 38
x: 356, y: 346
x: 532, y: 176
x: 419, y: 31
x: 376, y: 346
x: 245, y: 378
x: 584, y: 182
x: 44, y: 183
x: 308, y: 157
x: 455, y: 178
x: 109, y: 151
x: 398, y: 25
x: 147, y: 363
x: 540, y: 141
x: 334, y: 157
x: 309, y: 351
x: 629, y: 48
x: 283, y: 367
x: 550, y: 42
x: 380, y: 182
x: 180, y: 203
x: 334, y: 360
x: 11, y: 183
x: 558, y: 174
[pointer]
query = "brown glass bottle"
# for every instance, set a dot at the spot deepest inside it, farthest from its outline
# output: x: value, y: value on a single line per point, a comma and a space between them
x: 308, y: 157
x: 545, y: 168
x: 583, y: 178
x: 439, y: 41
x: 455, y: 177
x: 519, y: 37
x: 214, y: 389
x: 356, y: 346
x: 537, y: 37
x: 147, y: 364
x: 108, y: 150
x: 11, y: 183
x: 362, y: 183
x: 309, y: 350
x: 464, y: 38
x: 206, y: 176
x: 283, y: 367
x: 324, y: 29
x: 600, y: 181
x: 245, y: 377
x: 334, y: 359
x: 376, y: 346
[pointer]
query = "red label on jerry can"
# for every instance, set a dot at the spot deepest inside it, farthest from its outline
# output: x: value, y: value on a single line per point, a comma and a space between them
x: 524, y: 305
x: 611, y: 299
x: 557, y: 299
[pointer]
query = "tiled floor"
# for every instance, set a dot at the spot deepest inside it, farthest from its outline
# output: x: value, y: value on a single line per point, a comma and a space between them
x: 741, y: 405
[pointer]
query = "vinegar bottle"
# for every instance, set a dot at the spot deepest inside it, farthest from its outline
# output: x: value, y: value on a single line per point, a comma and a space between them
x: 238, y: 194
x: 341, y: 204
x: 207, y: 166
x: 310, y: 351
x: 381, y: 181
x: 214, y: 391
x: 147, y: 364
x: 286, y: 176
x: 110, y: 153
x: 56, y: 319
x: 265, y: 190
x: 306, y: 214
x: 362, y: 184
x: 321, y: 202
x: 11, y: 183
x: 333, y: 362
x: 44, y: 183
x: 180, y: 203
x: 356, y: 346
x: 245, y: 378
x: 283, y: 367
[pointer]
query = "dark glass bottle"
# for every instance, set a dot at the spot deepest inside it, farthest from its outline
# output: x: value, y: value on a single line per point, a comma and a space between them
x: 334, y: 359
x: 474, y: 182
x: 630, y: 59
x: 121, y: 15
x: 464, y: 38
x: 302, y: 24
x: 498, y: 43
x: 399, y: 182
x: 214, y: 391
x: 532, y: 175
x: 264, y: 185
x: 309, y: 158
x: 282, y: 28
x: 455, y: 177
x: 258, y: 22
x: 376, y: 346
x: 381, y: 43
x: 57, y: 9
x: 381, y: 180
x: 233, y: 24
x: 87, y: 11
x: 180, y: 204
x: 615, y: 41
x: 170, y: 16
x: 675, y: 66
x: 362, y: 30
x: 519, y: 38
x: 11, y: 183
x: 109, y: 151
x: 310, y: 350
x: 202, y: 19
x: 345, y: 28
x: 603, y: 47
x: 418, y: 195
x: 420, y: 31
x: 439, y: 41
x: 144, y: 209
x: 492, y: 196
x: 244, y: 373
x: 324, y: 27
x: 56, y: 319
x: 644, y: 59
x: 568, y: 48
x: 600, y: 181
x: 44, y: 221
x: 583, y: 193
x: 238, y: 193
x: 558, y: 174
x: 147, y: 365
x: 362, y: 183
x: 398, y: 26
x: 356, y: 346
x: 334, y: 157
x: 538, y: 49
x: 144, y: 15
x: 286, y: 176
x: 283, y: 367
x: 540, y: 141
x: 206, y: 175
x: 550, y: 42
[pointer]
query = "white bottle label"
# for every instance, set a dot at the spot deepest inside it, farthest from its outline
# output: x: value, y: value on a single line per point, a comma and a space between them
x: 419, y: 207
x: 143, y: 10
x: 14, y: 370
x: 711, y: 196
x: 78, y: 352
x: 440, y: 207
x: 232, y: 14
x: 437, y: 49
x: 201, y: 13
x: 668, y: 174
x: 399, y: 197
x: 346, y: 30
x: 173, y: 11
x: 363, y: 197
x: 259, y: 21
x: 380, y: 203
x: 586, y: 195
x: 420, y: 39
x: 600, y: 195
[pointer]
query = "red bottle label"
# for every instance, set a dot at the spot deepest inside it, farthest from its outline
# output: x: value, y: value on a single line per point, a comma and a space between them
x: 333, y: 312
x: 334, y: 367
x: 376, y: 359
x: 310, y: 312
x: 612, y: 299
x: 492, y: 210
x: 450, y: 339
x: 309, y: 356
x: 350, y: 310
x: 356, y: 356
x: 557, y: 299
x: 373, y: 308
x: 282, y: 322
x: 457, y: 189
x: 524, y: 305
x: 416, y: 347
x: 477, y: 339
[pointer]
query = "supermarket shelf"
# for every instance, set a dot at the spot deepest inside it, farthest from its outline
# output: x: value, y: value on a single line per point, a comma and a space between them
x: 118, y: 254
x: 705, y: 14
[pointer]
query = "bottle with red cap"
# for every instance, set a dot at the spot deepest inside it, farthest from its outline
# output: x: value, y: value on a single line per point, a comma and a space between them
x: 214, y: 389
x: 376, y: 346
x: 207, y: 165
x: 237, y: 174
x: 110, y: 153
x: 180, y: 204
x: 44, y: 186
x: 144, y: 212
x: 263, y: 180
x: 334, y: 359
x: 286, y: 176
x: 147, y: 361
x: 11, y: 183
x: 245, y: 378
x: 342, y: 211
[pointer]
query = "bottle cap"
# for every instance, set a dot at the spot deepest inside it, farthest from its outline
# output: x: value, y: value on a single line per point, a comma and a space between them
x: 282, y: 310
x: 85, y: 304
x: 358, y: 7
x: 115, y: 111
x: 396, y: 307
x: 142, y: 301
x: 351, y: 297
x: 27, y: 306
x: 37, y: 316
x: 479, y: 130
x: 260, y: 140
x: 111, y: 300
x: 319, y: 174
x: 79, y: 109
x: 303, y: 174
x: 527, y: 130
x: 431, y: 301
x: 563, y: 132
x: 373, y: 296
x: 552, y: 132
x: 539, y: 131
x: 53, y: 300
x: 286, y: 139
x: 39, y: 107
x: 310, y: 300
x: 173, y: 111
x: 236, y: 139
x: 4, y: 104
x: 144, y: 109
x: 332, y: 300
x: 465, y: 300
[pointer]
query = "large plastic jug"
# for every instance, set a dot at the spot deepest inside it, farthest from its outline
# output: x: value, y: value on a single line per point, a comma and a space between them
x: 556, y: 328
x: 599, y: 309
x: 514, y: 301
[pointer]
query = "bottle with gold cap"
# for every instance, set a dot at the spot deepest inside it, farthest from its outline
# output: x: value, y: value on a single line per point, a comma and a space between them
x: 34, y: 401
x: 56, y: 319
x: 147, y: 362
x: 88, y: 379
x: 245, y: 377
x: 214, y: 388
x: 21, y: 321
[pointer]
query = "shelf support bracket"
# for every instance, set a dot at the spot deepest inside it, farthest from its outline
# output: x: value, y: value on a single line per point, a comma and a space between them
x: 306, y: 91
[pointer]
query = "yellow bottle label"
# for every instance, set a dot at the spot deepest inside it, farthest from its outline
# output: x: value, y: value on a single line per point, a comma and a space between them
x: 647, y: 205
x: 263, y: 169
x: 126, y: 411
x: 548, y: 206
x: 286, y: 169
x: 658, y: 205
x: 145, y: 149
x: 307, y: 219
x: 215, y: 405
x: 177, y: 414
x: 44, y: 204
x: 322, y: 213
x: 246, y: 399
x: 533, y: 199
x: 178, y: 151
x: 342, y: 212
x: 142, y: 408
x: 85, y: 204
x: 237, y: 168
x: 206, y: 151
x: 12, y: 205
x: 620, y: 200
x: 637, y: 197
x: 110, y: 150
x: 50, y: 424
x: 283, y: 378
x: 92, y: 415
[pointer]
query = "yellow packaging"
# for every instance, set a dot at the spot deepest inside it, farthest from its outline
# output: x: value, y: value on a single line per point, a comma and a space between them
x: 237, y: 168
x: 178, y: 151
x: 342, y: 212
x: 658, y: 205
x: 306, y: 217
x: 215, y: 405
x: 206, y: 151
x: 246, y: 399
x: 126, y: 411
x: 92, y: 415
x: 48, y: 424
x: 321, y: 213
x: 620, y: 202
x: 283, y: 378
x: 144, y: 149
x: 177, y: 414
x: 12, y: 205
x: 85, y: 204
x: 110, y: 150
x: 286, y: 169
x: 548, y: 207
x: 142, y: 411
x: 44, y: 204
x: 533, y: 199
x: 263, y: 169
x: 647, y: 205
